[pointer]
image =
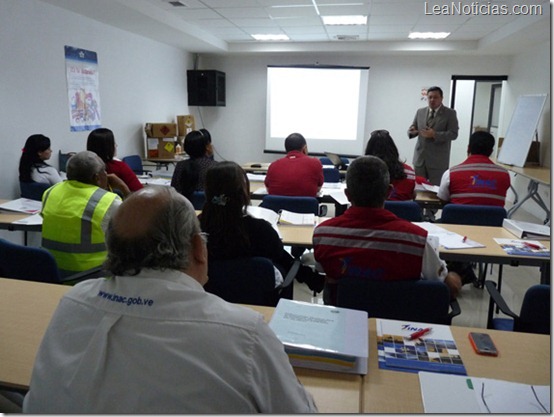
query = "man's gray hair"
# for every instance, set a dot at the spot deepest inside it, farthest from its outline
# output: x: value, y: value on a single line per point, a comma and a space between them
x: 83, y: 166
x: 367, y: 181
x: 165, y: 245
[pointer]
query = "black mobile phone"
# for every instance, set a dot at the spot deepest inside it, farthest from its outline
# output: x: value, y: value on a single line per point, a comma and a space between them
x: 483, y: 344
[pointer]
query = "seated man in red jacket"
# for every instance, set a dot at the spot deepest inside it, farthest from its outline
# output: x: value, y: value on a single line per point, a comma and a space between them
x: 296, y: 174
x: 369, y: 241
x: 477, y: 180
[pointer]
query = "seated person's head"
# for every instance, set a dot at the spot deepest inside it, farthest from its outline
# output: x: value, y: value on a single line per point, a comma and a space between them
x: 88, y: 168
x: 481, y: 143
x: 101, y: 141
x: 367, y: 182
x: 382, y: 145
x: 156, y: 228
x: 227, y: 187
x: 295, y: 142
x: 197, y: 144
x: 37, y: 146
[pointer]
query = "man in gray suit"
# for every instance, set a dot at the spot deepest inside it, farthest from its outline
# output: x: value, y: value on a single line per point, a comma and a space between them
x: 435, y: 127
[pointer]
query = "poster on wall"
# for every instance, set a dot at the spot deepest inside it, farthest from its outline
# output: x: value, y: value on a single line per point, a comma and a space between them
x: 82, y: 89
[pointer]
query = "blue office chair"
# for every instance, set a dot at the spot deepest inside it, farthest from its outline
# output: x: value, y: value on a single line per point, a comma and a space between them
x: 534, y: 316
x: 33, y: 190
x: 62, y: 160
x: 295, y: 204
x: 331, y: 175
x: 243, y: 281
x: 135, y: 163
x: 408, y: 210
x: 415, y: 300
x: 476, y: 215
x: 198, y: 199
x: 35, y: 264
x: 326, y: 161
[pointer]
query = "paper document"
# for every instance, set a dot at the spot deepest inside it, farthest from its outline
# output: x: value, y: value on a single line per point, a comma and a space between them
x: 442, y: 394
x: 449, y: 240
x: 432, y: 188
x: 260, y: 191
x: 526, y: 230
x: 33, y: 220
x: 266, y: 214
x: 255, y: 177
x: 434, y: 351
x: 322, y: 337
x: 22, y: 205
x: 297, y: 219
x: 525, y: 247
x: 155, y: 181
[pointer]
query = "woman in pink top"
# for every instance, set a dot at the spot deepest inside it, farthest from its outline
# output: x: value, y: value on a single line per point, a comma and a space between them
x: 102, y: 142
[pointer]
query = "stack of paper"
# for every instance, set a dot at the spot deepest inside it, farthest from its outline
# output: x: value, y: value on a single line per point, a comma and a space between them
x: 22, y: 205
x: 436, y: 351
x: 322, y: 337
x: 297, y: 219
x: 444, y: 394
x: 526, y: 230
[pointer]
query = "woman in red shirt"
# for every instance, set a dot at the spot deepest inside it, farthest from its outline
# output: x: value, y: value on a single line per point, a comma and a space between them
x: 102, y: 142
x: 402, y: 176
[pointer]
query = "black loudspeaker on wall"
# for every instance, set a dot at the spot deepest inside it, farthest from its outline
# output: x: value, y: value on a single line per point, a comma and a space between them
x: 206, y: 88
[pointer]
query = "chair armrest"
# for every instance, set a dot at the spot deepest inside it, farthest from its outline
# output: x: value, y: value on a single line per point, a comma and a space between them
x: 291, y: 274
x: 81, y: 276
x: 496, y: 298
x: 455, y: 309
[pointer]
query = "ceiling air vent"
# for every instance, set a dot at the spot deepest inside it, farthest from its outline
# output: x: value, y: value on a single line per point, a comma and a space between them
x: 177, y: 4
x: 347, y: 37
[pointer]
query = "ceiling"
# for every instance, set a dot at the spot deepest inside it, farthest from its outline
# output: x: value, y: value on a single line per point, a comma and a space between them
x: 226, y: 26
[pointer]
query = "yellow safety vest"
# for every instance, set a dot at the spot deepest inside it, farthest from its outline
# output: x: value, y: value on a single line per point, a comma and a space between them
x: 72, y: 214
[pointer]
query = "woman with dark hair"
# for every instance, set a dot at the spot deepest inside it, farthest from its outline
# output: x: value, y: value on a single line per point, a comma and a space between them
x: 32, y: 165
x: 101, y: 141
x: 402, y: 176
x: 233, y: 232
x: 190, y: 174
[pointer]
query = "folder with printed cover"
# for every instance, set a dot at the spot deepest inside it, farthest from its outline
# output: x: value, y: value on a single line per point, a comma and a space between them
x: 322, y: 337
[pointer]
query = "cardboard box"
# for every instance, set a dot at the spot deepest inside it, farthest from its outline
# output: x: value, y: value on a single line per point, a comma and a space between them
x: 163, y: 148
x: 185, y: 124
x: 160, y: 130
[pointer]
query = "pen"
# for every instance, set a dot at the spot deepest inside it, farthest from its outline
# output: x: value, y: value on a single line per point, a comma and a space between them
x: 531, y: 245
x: 419, y: 333
x: 464, y: 239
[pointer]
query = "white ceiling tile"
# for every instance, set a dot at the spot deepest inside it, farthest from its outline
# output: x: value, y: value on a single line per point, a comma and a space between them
x: 230, y: 3
x: 243, y: 12
x: 281, y: 12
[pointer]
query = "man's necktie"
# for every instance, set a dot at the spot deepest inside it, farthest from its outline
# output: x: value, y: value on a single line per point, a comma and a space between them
x: 431, y: 116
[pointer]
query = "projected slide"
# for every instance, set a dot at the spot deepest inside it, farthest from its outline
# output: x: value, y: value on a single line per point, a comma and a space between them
x: 325, y: 104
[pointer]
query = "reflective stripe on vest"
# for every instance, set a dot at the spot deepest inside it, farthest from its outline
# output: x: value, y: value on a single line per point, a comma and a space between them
x: 85, y: 245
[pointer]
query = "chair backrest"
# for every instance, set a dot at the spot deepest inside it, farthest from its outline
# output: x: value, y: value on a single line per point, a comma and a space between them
x: 135, y: 163
x: 535, y: 311
x: 418, y: 300
x: 408, y: 210
x: 295, y: 204
x: 243, y: 280
x: 27, y: 263
x: 33, y: 190
x: 331, y: 175
x: 476, y: 215
x: 62, y: 160
x: 198, y: 199
x: 325, y: 161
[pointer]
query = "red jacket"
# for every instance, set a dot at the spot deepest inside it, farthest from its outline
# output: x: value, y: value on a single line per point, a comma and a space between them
x: 404, y: 188
x: 372, y: 243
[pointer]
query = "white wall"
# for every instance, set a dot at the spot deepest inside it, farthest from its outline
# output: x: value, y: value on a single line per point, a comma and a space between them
x: 144, y: 81
x: 395, y: 83
x: 140, y: 81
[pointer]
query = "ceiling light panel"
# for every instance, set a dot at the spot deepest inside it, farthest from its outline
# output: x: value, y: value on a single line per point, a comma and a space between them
x: 344, y: 20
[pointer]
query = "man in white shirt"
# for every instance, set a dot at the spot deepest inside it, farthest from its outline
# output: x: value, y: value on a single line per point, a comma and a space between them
x: 150, y: 340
